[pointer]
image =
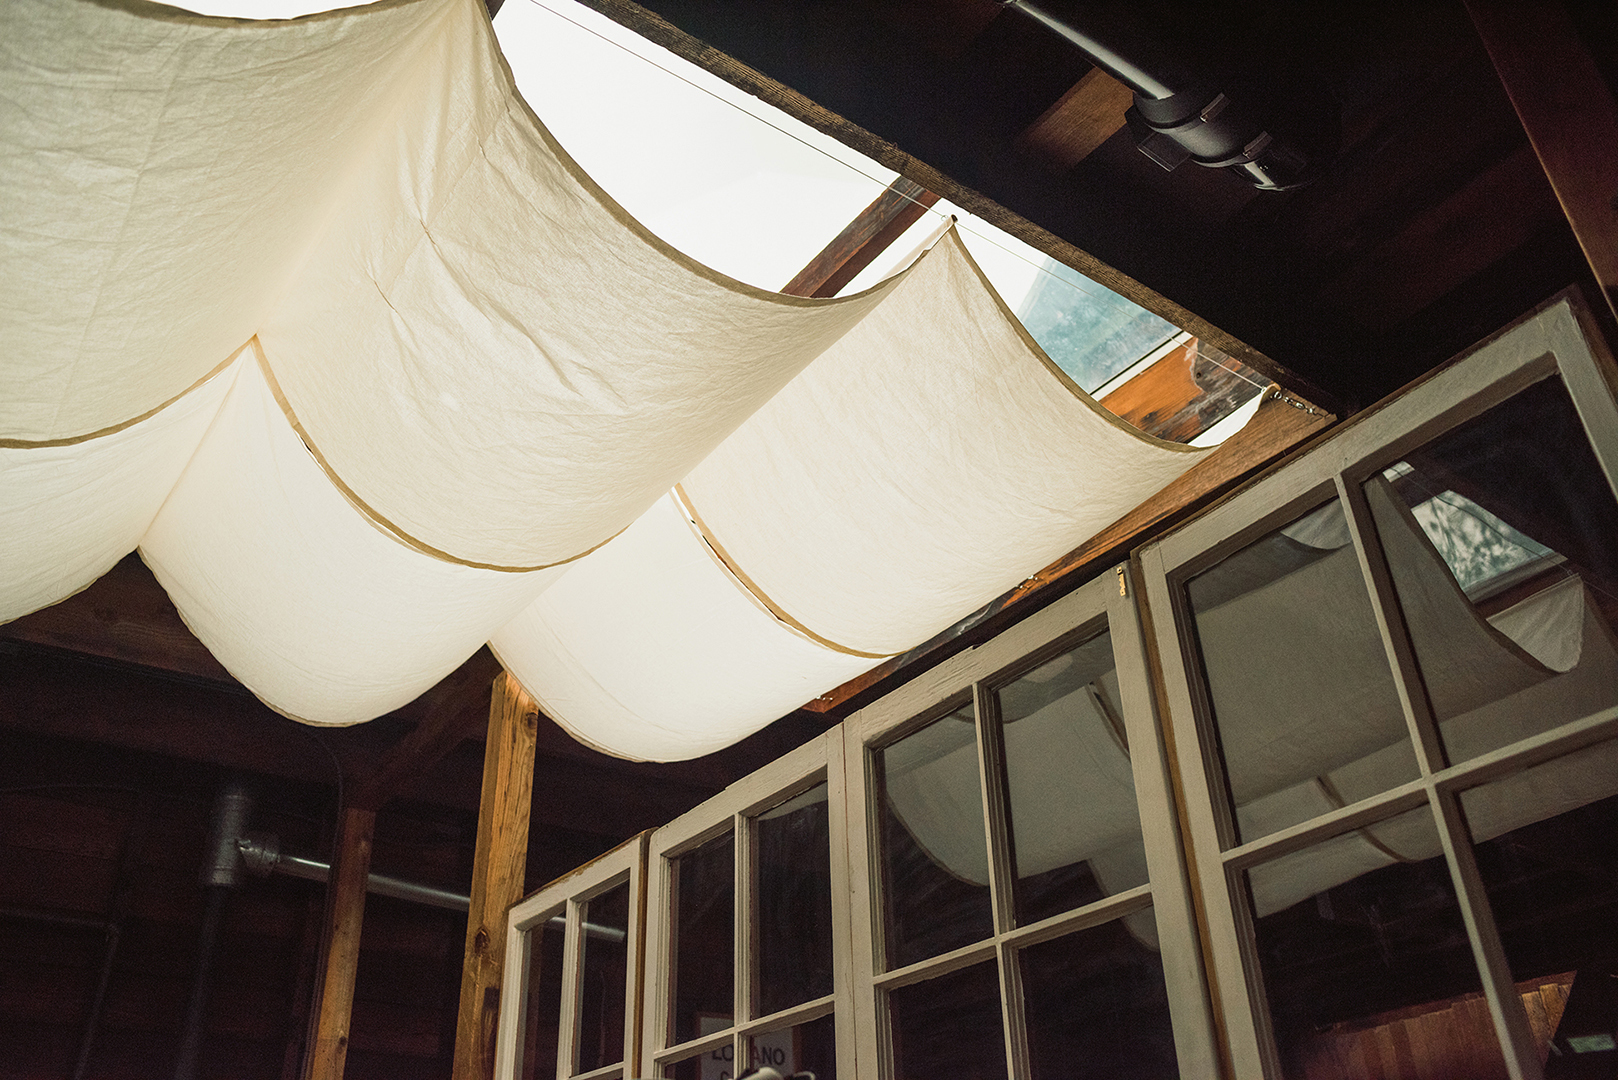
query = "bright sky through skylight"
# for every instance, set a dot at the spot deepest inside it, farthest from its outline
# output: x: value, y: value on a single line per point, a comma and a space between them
x: 747, y: 190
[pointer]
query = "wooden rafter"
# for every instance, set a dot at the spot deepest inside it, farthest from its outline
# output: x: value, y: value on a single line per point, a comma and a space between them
x: 871, y: 233
x: 1082, y: 119
x: 1570, y: 115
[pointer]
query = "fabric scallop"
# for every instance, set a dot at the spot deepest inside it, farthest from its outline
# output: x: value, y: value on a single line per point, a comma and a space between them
x: 317, y: 315
x: 924, y: 464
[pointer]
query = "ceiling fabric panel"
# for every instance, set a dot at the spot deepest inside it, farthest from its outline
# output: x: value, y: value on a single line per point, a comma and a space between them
x: 465, y: 371
x: 477, y: 264
x: 162, y: 174
x: 923, y: 465
x: 648, y: 650
x: 323, y: 616
x: 69, y: 512
x: 986, y: 464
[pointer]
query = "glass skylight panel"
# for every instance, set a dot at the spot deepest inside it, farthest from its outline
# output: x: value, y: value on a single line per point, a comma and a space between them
x: 748, y: 190
x: 732, y: 182
x: 751, y: 192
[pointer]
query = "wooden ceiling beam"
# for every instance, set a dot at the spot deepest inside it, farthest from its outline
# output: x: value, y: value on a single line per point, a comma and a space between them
x: 126, y: 616
x: 1089, y: 114
x: 871, y: 233
x: 1570, y: 115
x: 1185, y: 393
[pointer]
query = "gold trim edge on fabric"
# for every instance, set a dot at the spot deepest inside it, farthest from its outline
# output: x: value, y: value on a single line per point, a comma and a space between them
x: 371, y: 514
x: 74, y: 440
x: 728, y: 564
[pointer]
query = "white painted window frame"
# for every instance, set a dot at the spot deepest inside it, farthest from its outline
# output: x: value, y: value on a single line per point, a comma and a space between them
x: 1559, y: 339
x: 734, y: 809
x: 566, y: 898
x: 1105, y: 603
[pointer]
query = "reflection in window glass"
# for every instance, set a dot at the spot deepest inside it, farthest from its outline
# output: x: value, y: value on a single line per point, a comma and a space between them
x: 1547, y: 848
x: 605, y: 975
x: 810, y: 1047
x: 793, y: 944
x: 1096, y: 1004
x: 541, y: 1031
x: 935, y: 862
x: 949, y: 1026
x: 1076, y: 832
x: 1502, y: 538
x: 1304, y: 702
x: 704, y: 896
x: 1362, y: 946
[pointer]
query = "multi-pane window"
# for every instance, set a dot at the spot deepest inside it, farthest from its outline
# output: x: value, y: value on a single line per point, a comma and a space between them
x: 747, y: 952
x: 1398, y: 658
x: 1351, y: 811
x: 572, y: 982
x: 1023, y: 867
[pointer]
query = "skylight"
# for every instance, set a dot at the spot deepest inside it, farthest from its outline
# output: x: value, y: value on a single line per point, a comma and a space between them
x: 750, y: 191
x: 754, y: 193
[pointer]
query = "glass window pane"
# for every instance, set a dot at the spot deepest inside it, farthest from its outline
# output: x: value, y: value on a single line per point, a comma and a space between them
x: 544, y: 1021
x: 935, y: 862
x: 810, y: 1047
x: 1363, y: 952
x: 949, y: 1026
x: 1090, y: 332
x: 1076, y: 833
x: 1502, y: 538
x: 704, y: 892
x: 792, y: 947
x: 605, y: 975
x: 1307, y: 713
x: 1097, y: 1005
x: 1547, y: 848
x: 712, y: 1065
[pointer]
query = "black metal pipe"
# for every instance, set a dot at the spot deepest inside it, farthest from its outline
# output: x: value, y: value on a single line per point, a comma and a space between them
x: 1129, y: 71
x: 98, y: 1003
x: 221, y: 872
x: 185, y: 1066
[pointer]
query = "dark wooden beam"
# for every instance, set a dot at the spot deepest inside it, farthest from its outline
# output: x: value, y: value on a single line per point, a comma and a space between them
x: 1492, y: 215
x: 1570, y: 115
x: 446, y: 715
x: 340, y: 955
x: 1082, y: 119
x: 865, y: 238
x: 497, y: 872
x: 1278, y: 427
x: 126, y: 616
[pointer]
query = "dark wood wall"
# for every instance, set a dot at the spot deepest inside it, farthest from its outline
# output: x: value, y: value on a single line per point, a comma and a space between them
x: 108, y: 773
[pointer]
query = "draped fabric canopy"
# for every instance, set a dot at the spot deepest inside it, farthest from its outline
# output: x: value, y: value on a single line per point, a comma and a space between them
x: 317, y: 315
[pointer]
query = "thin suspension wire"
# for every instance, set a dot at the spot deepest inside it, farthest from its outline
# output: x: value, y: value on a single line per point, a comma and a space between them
x: 817, y: 149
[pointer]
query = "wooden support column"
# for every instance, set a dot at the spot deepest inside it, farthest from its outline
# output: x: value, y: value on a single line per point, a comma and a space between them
x: 497, y: 871
x: 345, y: 913
x: 1570, y: 116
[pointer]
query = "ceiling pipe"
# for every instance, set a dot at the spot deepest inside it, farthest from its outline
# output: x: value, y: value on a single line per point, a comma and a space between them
x: 261, y: 854
x: 221, y: 872
x: 1181, y: 116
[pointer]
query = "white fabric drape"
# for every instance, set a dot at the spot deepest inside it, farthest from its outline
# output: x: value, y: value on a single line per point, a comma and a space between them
x: 317, y: 314
x: 923, y: 465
